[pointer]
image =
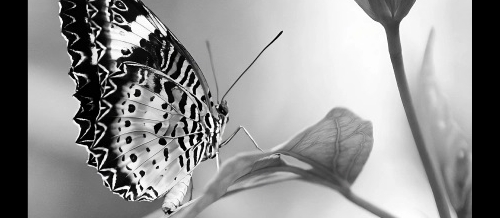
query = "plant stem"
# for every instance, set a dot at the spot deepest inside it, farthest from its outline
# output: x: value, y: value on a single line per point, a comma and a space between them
x: 394, y: 43
x: 310, y: 176
x: 345, y: 191
x: 366, y: 205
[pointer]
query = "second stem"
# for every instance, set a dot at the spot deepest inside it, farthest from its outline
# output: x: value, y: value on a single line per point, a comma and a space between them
x: 395, y: 51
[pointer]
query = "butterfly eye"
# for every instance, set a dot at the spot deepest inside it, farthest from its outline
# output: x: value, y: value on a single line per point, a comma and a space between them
x: 222, y: 110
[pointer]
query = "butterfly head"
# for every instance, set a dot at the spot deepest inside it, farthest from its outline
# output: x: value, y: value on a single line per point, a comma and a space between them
x: 223, y: 111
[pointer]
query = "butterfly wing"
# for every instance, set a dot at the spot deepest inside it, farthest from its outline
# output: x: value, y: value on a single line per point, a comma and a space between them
x: 144, y: 101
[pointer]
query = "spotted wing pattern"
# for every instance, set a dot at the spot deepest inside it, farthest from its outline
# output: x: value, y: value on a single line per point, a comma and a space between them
x: 146, y: 111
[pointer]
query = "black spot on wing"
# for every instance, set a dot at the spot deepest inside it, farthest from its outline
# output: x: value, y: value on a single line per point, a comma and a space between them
x: 157, y: 127
x: 164, y: 106
x: 143, y: 43
x: 118, y: 18
x: 162, y: 141
x: 126, y: 51
x: 133, y: 157
x: 137, y: 93
x: 131, y: 108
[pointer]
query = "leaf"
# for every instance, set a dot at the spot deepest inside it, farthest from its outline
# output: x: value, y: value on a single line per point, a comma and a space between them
x: 240, y: 166
x: 339, y: 144
x: 335, y: 150
x: 262, y: 175
x: 452, y: 150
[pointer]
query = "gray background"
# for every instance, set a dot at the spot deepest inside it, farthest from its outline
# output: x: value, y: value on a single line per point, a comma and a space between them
x: 331, y: 54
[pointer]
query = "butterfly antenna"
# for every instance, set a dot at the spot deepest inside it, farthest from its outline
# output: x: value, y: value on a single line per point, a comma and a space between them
x: 213, y: 70
x: 279, y: 34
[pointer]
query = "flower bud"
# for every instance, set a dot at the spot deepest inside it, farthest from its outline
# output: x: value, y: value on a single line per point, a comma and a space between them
x: 386, y: 11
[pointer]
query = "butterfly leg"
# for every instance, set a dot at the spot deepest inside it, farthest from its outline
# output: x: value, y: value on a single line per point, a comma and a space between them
x: 217, y: 160
x: 191, y: 188
x: 232, y: 135
x: 175, y: 196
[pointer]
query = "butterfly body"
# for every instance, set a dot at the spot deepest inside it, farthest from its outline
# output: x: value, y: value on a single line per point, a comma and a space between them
x: 146, y: 116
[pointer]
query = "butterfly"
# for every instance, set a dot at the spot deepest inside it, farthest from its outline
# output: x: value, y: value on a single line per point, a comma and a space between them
x: 146, y: 113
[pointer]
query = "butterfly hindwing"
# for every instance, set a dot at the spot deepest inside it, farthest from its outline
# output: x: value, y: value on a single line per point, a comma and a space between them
x: 144, y: 101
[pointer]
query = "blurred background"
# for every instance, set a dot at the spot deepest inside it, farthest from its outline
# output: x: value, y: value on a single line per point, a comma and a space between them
x: 331, y: 54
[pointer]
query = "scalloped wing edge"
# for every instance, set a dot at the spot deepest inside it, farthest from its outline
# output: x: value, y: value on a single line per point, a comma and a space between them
x: 93, y: 81
x: 78, y: 40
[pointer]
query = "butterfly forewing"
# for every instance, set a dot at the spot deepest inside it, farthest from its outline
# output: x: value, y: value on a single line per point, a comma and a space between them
x: 145, y: 113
